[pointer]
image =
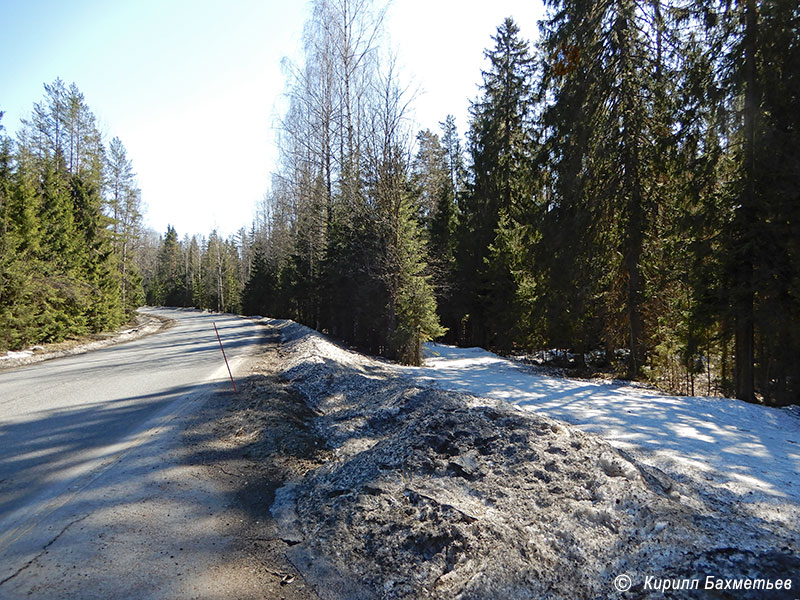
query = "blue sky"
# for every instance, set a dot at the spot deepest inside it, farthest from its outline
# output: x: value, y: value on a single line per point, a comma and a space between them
x: 193, y: 87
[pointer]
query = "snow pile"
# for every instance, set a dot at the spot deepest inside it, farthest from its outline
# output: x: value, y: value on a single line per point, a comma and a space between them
x: 440, y: 494
x: 303, y: 348
x: 310, y: 358
x: 745, y: 452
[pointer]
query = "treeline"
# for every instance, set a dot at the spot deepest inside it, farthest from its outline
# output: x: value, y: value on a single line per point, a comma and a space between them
x: 627, y: 189
x: 69, y: 224
x: 198, y: 272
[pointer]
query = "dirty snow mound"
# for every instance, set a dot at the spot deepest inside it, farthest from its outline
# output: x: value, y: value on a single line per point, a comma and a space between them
x: 438, y: 494
x: 743, y: 451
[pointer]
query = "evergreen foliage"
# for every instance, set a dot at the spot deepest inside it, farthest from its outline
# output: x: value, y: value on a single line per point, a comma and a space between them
x: 437, y: 174
x: 195, y: 272
x: 258, y: 295
x: 501, y: 147
x: 622, y: 199
x: 344, y: 239
x: 417, y: 321
x: 59, y: 272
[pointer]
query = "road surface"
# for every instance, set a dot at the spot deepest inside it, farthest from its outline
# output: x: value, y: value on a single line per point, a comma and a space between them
x: 98, y: 498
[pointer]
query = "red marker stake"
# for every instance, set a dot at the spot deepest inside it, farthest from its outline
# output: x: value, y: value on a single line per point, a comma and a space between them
x: 225, y: 357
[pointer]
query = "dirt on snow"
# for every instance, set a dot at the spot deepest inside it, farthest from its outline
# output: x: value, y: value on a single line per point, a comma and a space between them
x: 373, y: 486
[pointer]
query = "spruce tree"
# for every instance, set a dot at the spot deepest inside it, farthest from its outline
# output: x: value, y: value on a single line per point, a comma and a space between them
x: 18, y: 246
x: 417, y: 319
x: 103, y: 309
x: 501, y: 148
x: 603, y: 60
x: 259, y: 294
x: 436, y: 177
x: 166, y: 289
x: 754, y: 49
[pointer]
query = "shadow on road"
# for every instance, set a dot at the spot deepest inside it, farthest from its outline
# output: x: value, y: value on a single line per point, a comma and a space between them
x: 179, y: 509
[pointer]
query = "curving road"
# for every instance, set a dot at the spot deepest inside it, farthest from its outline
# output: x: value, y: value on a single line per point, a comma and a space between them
x: 97, y: 495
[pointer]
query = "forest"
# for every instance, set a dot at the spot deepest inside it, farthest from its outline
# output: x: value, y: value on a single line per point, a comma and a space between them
x: 626, y: 191
x: 70, y: 218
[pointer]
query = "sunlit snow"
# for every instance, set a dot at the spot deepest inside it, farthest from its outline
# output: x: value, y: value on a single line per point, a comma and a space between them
x: 745, y: 449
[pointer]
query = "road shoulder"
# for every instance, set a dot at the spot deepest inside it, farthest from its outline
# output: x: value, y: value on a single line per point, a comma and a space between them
x: 250, y: 444
x: 145, y: 324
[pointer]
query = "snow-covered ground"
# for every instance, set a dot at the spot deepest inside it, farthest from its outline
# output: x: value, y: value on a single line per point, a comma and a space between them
x: 751, y: 451
x: 431, y: 493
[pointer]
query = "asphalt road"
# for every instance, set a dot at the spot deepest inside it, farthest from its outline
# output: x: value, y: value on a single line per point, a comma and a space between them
x: 97, y: 497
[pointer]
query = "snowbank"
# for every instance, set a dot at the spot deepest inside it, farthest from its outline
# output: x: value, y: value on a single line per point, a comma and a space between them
x: 432, y: 493
x: 747, y: 452
x: 12, y: 355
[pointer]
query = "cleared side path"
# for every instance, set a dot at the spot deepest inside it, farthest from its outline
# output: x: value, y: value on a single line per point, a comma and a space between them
x: 99, y: 497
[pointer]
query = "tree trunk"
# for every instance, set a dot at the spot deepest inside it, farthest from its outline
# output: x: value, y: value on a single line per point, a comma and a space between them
x: 744, y: 329
x: 632, y: 189
x: 124, y: 285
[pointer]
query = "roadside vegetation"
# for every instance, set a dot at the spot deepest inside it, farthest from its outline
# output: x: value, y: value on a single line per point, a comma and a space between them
x: 627, y: 190
x: 70, y: 219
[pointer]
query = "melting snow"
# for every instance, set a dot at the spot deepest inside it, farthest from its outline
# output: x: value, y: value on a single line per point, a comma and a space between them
x: 438, y: 494
x: 10, y: 355
x: 749, y: 450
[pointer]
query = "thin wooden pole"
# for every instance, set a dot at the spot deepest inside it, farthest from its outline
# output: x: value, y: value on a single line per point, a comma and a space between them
x: 225, y: 357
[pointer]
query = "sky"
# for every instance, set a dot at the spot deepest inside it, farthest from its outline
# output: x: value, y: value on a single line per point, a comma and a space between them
x: 194, y: 89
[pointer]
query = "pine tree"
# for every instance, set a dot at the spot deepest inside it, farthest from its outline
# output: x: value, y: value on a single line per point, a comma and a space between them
x: 453, y: 155
x: 55, y: 212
